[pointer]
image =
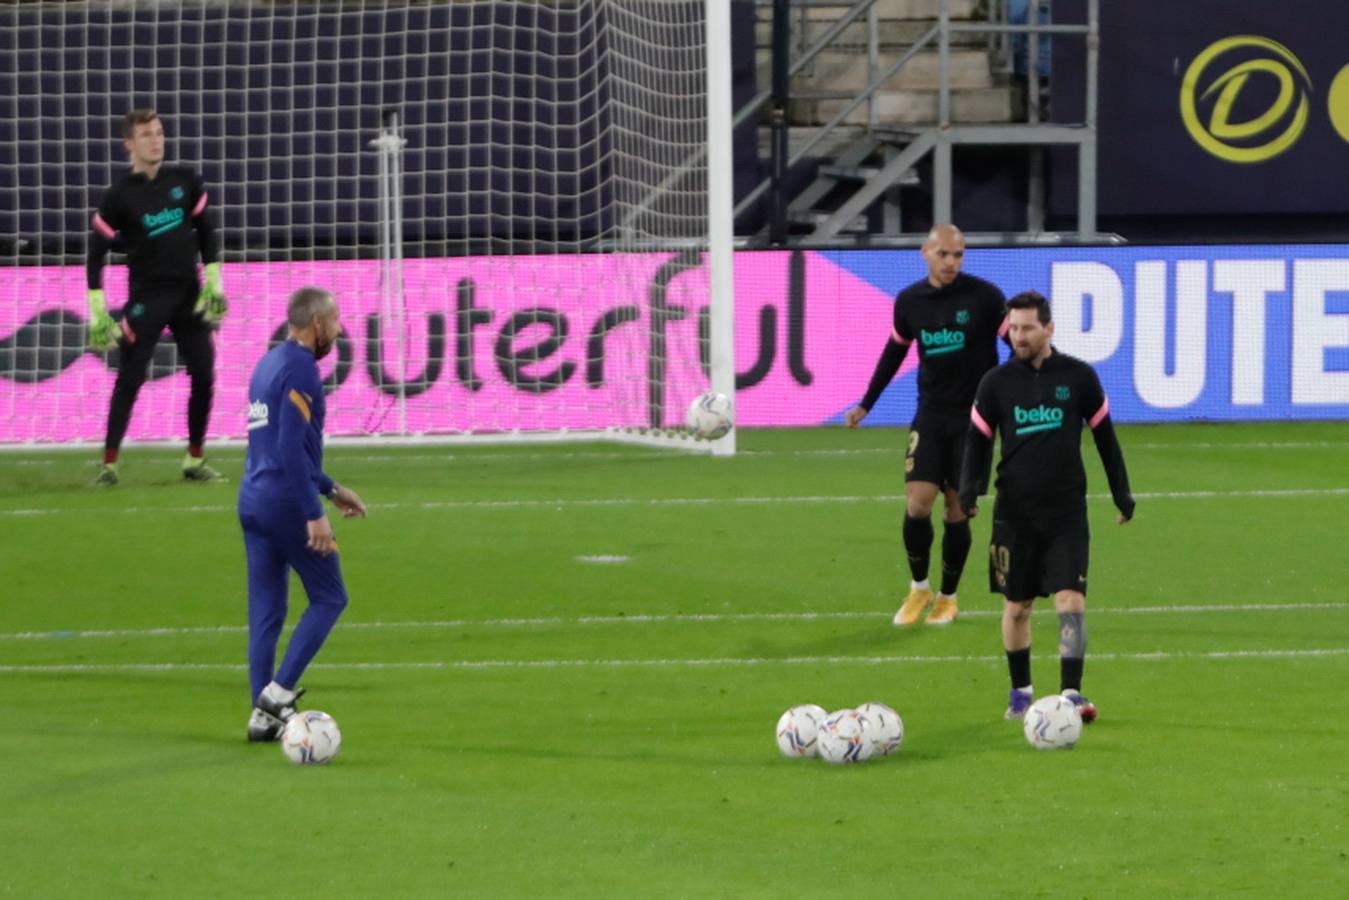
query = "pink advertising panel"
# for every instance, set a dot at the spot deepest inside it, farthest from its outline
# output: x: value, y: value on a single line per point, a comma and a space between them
x: 485, y: 343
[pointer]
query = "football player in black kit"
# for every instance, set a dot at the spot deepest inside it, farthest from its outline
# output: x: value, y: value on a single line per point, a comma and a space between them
x: 955, y: 320
x: 1036, y: 403
x: 157, y: 215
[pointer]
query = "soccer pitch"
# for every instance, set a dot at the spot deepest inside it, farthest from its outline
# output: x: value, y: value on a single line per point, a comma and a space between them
x: 561, y: 668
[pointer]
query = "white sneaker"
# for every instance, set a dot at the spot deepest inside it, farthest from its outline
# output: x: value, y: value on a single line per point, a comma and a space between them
x: 278, y: 702
x: 264, y: 727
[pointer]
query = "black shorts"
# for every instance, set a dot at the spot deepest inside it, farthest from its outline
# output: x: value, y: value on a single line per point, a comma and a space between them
x: 1036, y: 559
x: 151, y: 309
x: 936, y: 446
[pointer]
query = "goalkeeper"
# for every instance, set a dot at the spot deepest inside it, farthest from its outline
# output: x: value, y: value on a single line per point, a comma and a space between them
x: 157, y: 215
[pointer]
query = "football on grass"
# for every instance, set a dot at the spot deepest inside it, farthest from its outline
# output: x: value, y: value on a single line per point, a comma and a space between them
x: 1053, y: 723
x: 798, y: 729
x: 311, y: 738
x: 844, y: 738
x: 886, y: 731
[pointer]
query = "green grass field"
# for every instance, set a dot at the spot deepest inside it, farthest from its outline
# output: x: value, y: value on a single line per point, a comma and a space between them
x: 519, y: 721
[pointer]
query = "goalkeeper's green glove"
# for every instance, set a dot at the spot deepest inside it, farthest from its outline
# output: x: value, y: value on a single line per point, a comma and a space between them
x: 211, y: 303
x: 103, y: 331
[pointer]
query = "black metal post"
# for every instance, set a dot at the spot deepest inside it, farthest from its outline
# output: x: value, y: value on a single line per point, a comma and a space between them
x: 782, y: 37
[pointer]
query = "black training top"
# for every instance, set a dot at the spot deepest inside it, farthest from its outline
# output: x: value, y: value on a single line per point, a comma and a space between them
x: 956, y: 328
x: 1038, y: 413
x: 161, y: 225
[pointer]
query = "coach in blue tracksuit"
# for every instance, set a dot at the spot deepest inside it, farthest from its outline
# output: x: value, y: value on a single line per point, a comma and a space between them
x: 284, y: 524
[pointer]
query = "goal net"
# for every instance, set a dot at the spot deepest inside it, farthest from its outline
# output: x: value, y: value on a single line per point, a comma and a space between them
x: 522, y: 208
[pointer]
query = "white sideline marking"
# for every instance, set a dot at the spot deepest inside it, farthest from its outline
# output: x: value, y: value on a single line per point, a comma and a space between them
x: 562, y: 503
x: 502, y: 455
x: 661, y: 618
x: 604, y: 559
x: 740, y: 662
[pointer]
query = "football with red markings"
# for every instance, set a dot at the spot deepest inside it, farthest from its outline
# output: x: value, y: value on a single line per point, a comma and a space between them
x: 311, y: 738
x: 1053, y: 723
x: 798, y: 730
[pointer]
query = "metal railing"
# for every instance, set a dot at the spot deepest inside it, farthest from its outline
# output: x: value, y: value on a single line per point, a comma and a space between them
x: 941, y: 138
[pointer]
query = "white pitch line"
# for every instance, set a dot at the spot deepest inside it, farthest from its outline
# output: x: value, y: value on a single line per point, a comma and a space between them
x: 600, y: 502
x: 661, y: 618
x: 489, y: 456
x: 735, y: 662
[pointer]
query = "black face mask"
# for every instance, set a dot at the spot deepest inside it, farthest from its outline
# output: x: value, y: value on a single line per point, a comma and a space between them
x: 322, y: 347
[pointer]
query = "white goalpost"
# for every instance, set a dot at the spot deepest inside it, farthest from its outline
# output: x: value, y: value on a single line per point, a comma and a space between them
x: 523, y: 207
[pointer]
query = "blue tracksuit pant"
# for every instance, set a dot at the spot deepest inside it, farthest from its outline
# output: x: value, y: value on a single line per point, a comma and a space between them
x: 274, y: 540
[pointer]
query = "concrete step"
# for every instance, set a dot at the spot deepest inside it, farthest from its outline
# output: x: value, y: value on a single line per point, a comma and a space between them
x: 828, y: 146
x: 863, y: 173
x: 890, y: 33
x: 815, y: 218
x: 984, y: 105
x: 890, y: 9
x: 835, y: 70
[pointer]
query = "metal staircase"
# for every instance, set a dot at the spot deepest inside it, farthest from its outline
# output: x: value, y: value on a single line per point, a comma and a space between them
x: 869, y: 89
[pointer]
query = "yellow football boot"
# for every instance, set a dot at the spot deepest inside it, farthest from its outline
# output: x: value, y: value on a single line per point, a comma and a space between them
x: 915, y: 604
x: 943, y: 611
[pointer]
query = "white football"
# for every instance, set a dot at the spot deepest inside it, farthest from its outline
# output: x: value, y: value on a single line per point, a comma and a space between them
x: 844, y: 738
x: 711, y: 415
x: 798, y: 729
x: 311, y: 738
x: 886, y: 731
x: 1053, y: 723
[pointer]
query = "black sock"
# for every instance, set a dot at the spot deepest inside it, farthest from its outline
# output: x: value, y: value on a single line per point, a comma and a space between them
x: 918, y: 545
x: 955, y: 549
x: 1070, y: 673
x: 1018, y: 664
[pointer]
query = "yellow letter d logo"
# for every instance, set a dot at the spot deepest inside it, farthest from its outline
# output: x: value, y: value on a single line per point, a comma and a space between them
x: 1268, y: 134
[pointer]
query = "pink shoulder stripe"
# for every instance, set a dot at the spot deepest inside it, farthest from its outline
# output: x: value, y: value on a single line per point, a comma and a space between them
x: 979, y: 422
x: 1100, y: 413
x: 103, y: 227
x: 201, y: 204
x: 894, y: 335
x: 1005, y: 327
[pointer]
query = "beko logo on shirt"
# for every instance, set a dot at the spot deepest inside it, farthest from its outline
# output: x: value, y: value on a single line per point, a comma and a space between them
x: 945, y: 341
x: 162, y: 221
x: 257, y: 415
x: 1041, y: 418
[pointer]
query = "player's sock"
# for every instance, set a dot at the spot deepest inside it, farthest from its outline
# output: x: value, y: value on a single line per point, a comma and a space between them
x: 195, y: 451
x: 918, y: 545
x: 199, y: 406
x: 1018, y: 666
x: 923, y: 585
x: 1072, y: 649
x: 1070, y: 673
x: 955, y: 549
x: 110, y: 456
